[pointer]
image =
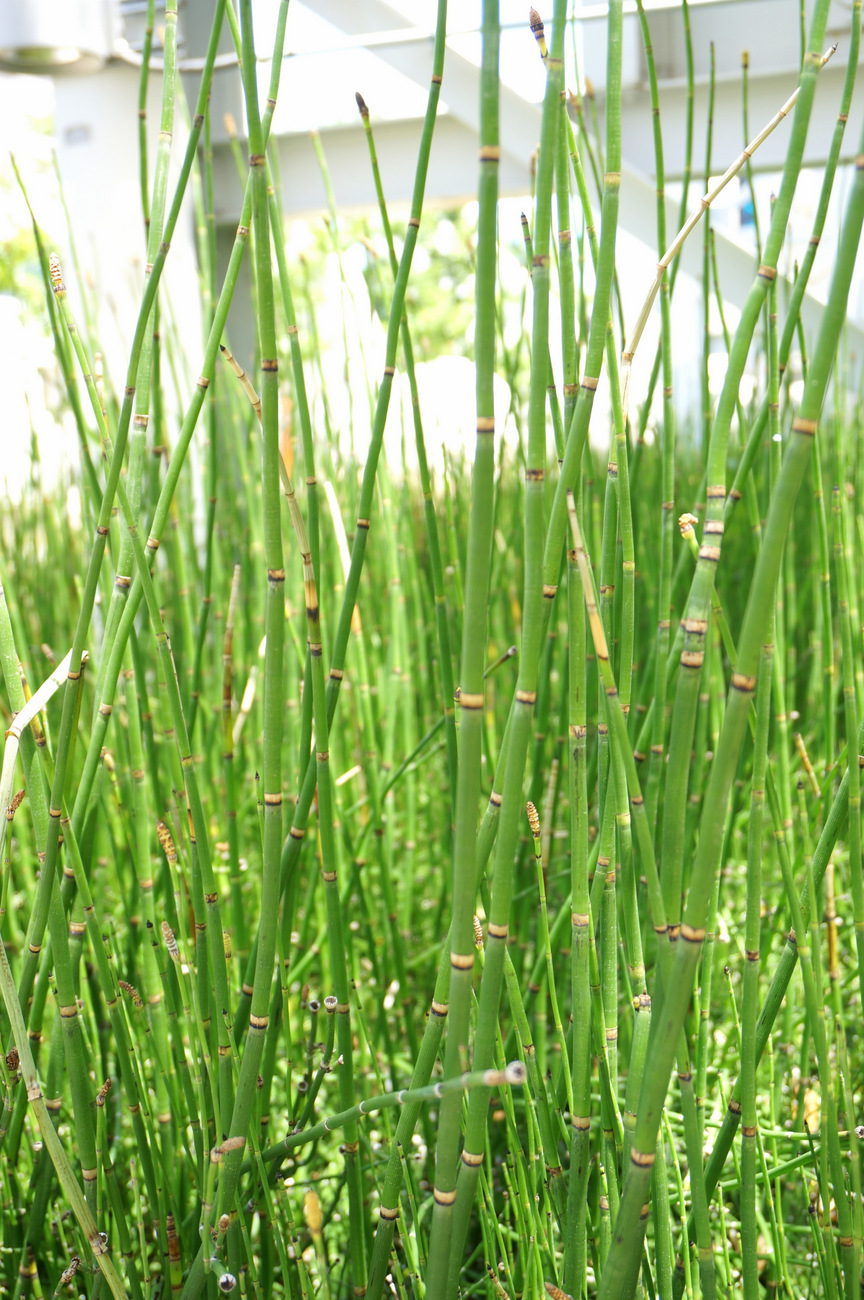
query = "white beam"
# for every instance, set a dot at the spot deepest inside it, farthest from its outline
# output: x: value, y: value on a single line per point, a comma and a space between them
x: 768, y: 27
x: 460, y: 88
x: 763, y: 24
x: 452, y: 177
x: 767, y: 94
x: 453, y: 180
x: 719, y: 30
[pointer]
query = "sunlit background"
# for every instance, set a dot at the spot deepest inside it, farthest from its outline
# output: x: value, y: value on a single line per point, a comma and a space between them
x: 80, y: 127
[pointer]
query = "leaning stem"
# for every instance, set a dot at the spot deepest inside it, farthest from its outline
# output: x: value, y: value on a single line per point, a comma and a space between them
x: 620, y: 1275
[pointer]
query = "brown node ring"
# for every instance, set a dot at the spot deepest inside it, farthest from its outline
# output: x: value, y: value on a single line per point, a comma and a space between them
x: 467, y: 701
x: 642, y: 1159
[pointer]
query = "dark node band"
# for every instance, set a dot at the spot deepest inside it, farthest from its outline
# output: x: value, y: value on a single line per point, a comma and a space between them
x: 642, y: 1159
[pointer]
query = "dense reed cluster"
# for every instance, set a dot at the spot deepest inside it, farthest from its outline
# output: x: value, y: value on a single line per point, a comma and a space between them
x: 432, y: 885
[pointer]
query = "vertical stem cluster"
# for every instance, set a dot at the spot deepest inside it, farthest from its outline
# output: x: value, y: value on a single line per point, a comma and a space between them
x: 620, y: 1276
x: 473, y: 658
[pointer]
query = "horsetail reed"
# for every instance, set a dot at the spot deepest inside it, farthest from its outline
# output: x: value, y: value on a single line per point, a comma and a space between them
x: 273, y: 850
